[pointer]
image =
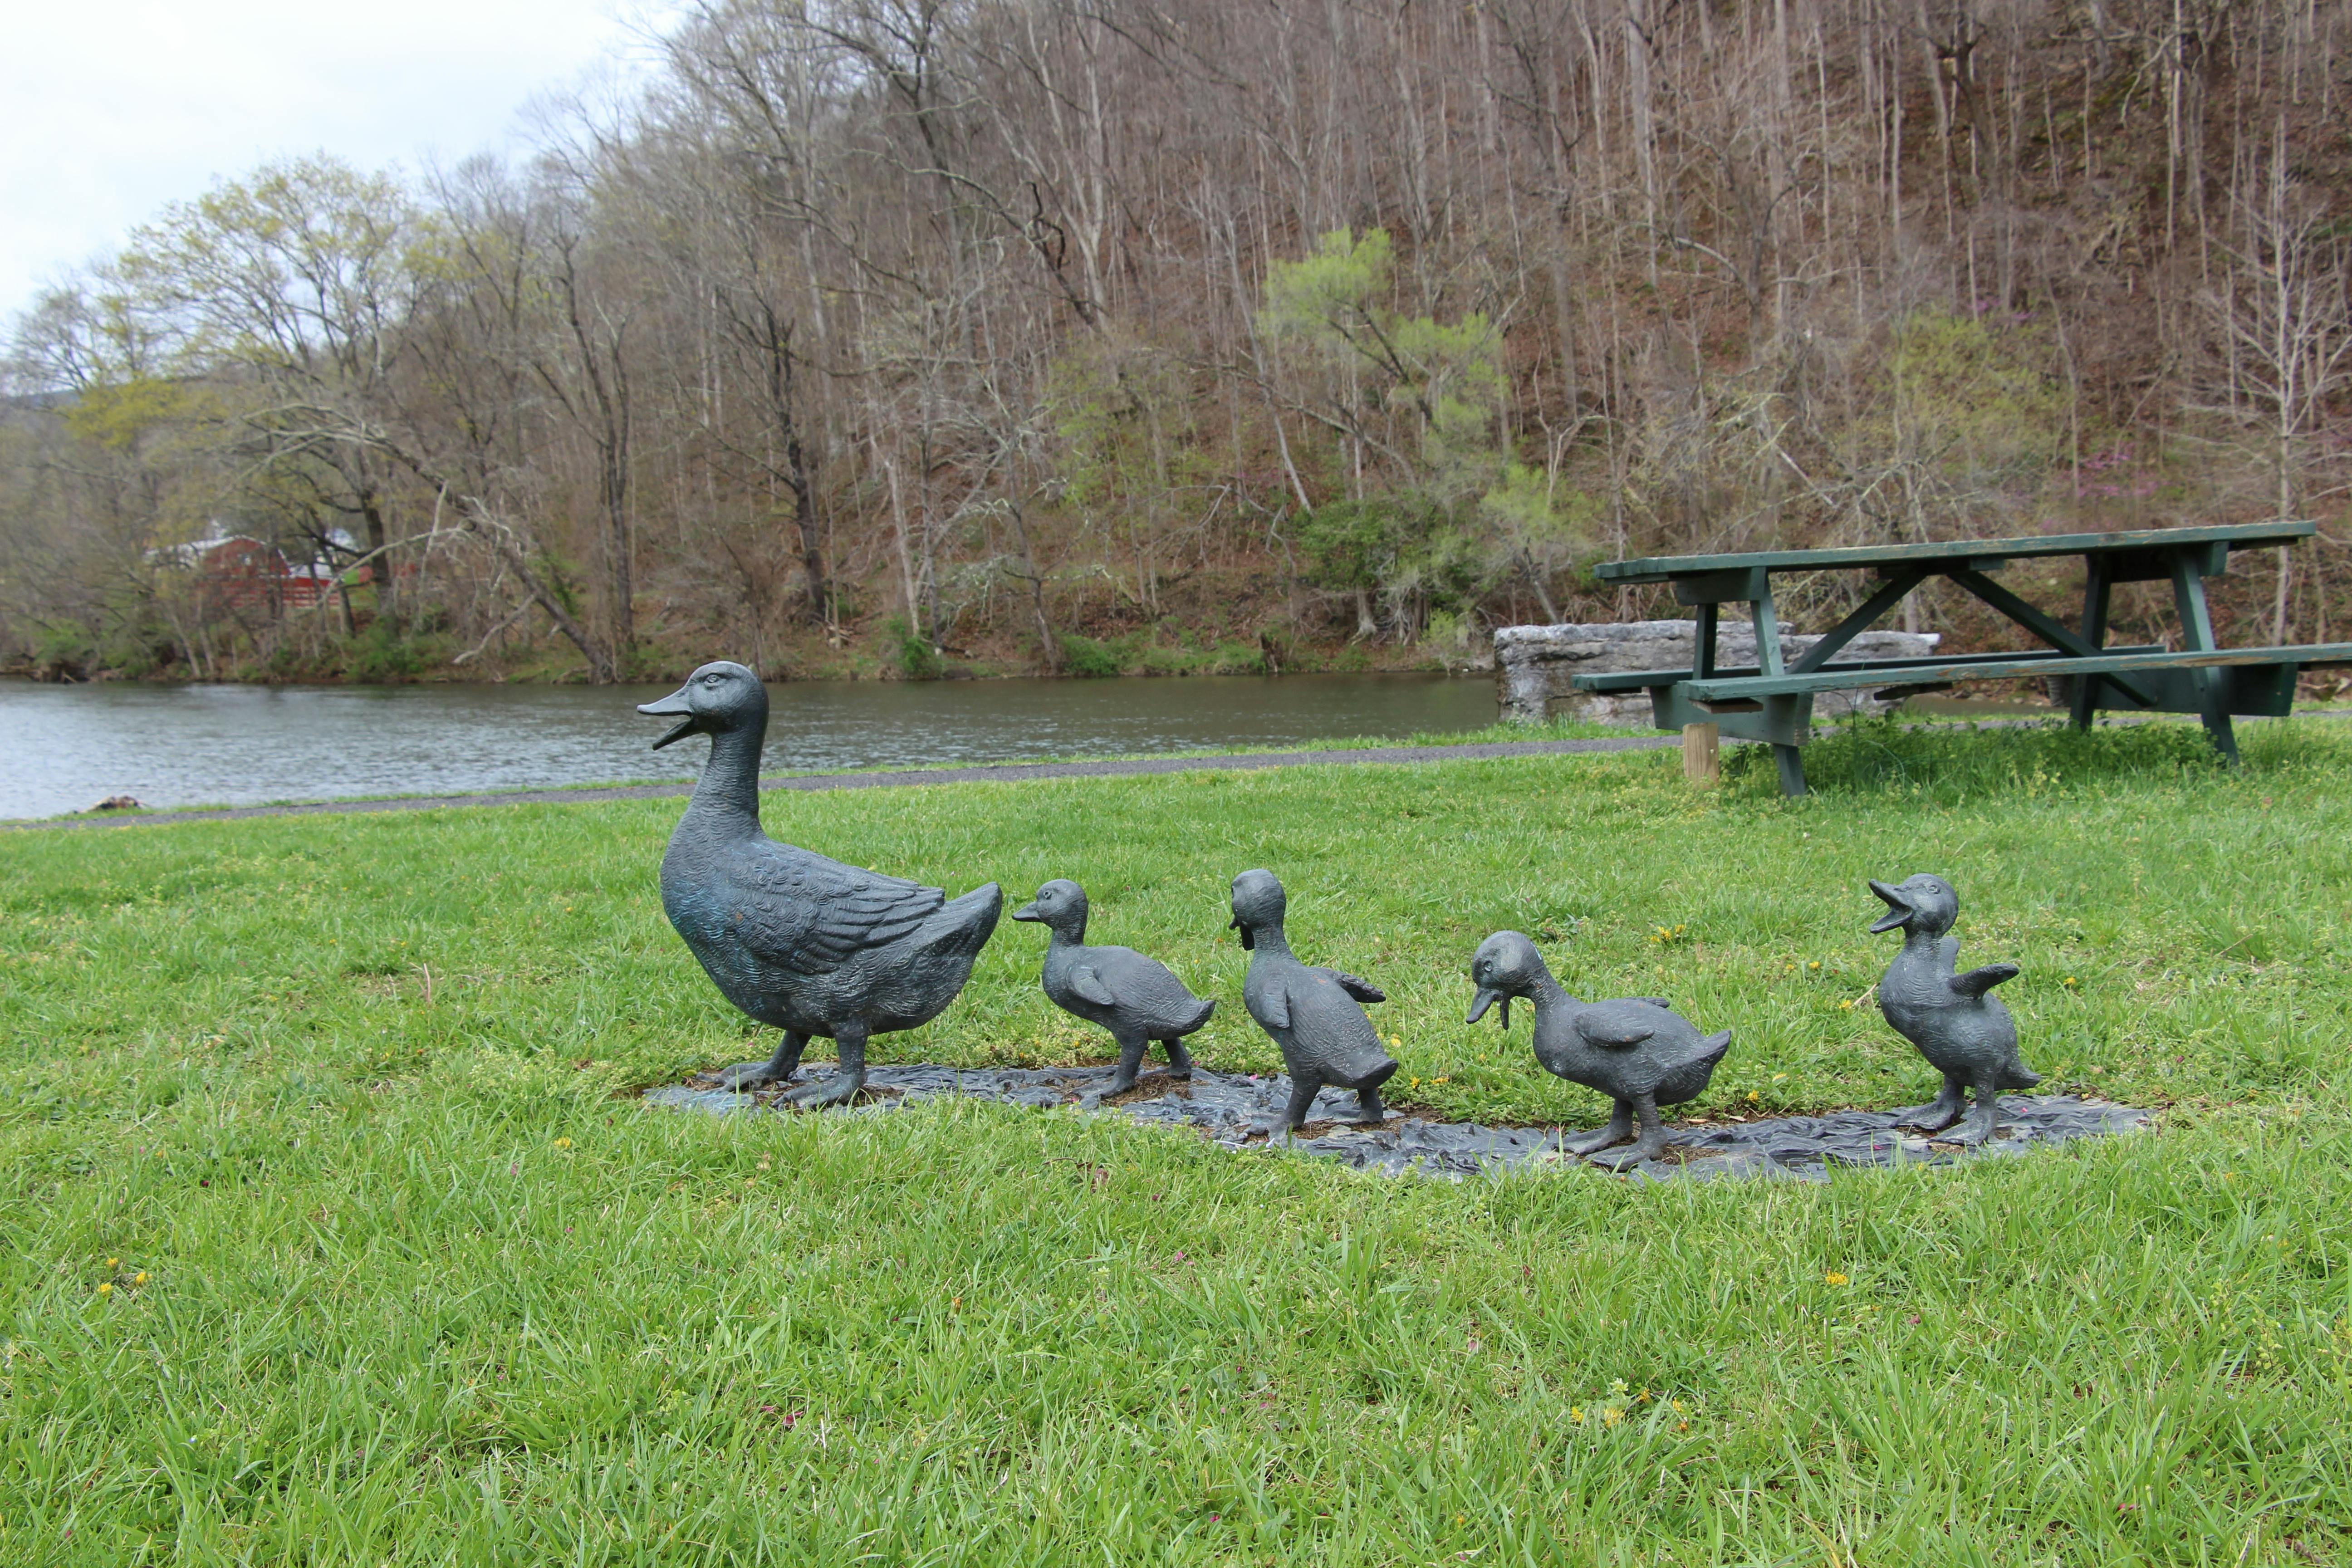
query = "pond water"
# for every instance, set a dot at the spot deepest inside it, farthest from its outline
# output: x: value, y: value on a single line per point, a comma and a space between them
x: 65, y: 748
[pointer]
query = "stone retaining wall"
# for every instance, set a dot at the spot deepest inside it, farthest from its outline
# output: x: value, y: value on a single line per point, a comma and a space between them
x: 1534, y: 665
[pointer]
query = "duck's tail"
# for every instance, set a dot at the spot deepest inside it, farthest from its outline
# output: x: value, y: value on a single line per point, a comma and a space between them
x: 2017, y: 1075
x: 961, y: 927
x: 1711, y: 1049
x: 1200, y: 1017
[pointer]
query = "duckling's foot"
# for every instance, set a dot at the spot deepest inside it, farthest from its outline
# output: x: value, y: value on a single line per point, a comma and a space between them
x: 1179, y: 1061
x: 1368, y: 1109
x: 1648, y: 1146
x: 1130, y: 1066
x: 1303, y: 1091
x: 777, y: 1068
x: 1981, y: 1123
x: 1938, y: 1113
x: 1620, y: 1127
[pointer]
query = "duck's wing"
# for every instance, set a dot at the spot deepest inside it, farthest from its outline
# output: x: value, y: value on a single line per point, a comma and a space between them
x: 1363, y: 990
x: 1268, y: 1002
x: 1085, y: 982
x: 1620, y: 1026
x: 1977, y: 982
x: 809, y: 915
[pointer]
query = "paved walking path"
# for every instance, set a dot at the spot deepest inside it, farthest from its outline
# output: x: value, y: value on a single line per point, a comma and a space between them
x: 995, y: 772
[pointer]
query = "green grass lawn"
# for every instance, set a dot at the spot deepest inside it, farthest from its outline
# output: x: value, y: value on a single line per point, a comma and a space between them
x: 335, y: 1235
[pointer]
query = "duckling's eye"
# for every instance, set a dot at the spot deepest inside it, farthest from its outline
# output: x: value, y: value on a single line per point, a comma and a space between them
x: 710, y: 680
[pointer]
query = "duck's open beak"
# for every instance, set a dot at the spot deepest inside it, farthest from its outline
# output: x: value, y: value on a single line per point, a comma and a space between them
x: 1028, y: 912
x: 1248, y: 942
x: 1898, y: 909
x: 1487, y: 997
x: 675, y: 706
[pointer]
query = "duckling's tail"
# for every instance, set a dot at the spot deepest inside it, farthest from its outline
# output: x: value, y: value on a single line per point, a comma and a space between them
x: 1368, y: 1070
x: 2017, y: 1075
x: 1713, y: 1047
x: 1207, y: 1006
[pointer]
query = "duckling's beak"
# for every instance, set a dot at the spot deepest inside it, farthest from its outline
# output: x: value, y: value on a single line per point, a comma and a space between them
x: 1249, y: 942
x: 1898, y: 909
x: 1028, y: 912
x: 676, y: 705
x: 1487, y: 997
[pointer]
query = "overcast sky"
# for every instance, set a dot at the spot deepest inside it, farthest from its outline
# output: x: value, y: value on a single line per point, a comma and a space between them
x: 110, y: 108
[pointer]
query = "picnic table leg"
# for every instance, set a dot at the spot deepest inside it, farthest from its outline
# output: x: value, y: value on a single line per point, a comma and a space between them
x: 2096, y: 590
x: 2196, y: 633
x: 1788, y: 760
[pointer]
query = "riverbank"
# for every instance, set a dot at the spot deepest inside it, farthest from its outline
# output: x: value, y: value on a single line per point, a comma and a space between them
x: 339, y: 1222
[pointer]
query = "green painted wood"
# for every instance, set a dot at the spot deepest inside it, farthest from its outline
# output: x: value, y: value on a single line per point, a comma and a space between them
x: 1962, y: 553
x: 1635, y: 679
x: 1854, y: 624
x: 1848, y: 677
x: 2097, y: 589
x: 2034, y: 621
x: 1740, y: 584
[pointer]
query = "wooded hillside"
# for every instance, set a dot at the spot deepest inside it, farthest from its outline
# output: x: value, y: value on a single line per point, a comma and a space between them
x: 884, y: 335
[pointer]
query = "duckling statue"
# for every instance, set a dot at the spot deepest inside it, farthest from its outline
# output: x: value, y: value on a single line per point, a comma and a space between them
x: 1958, y: 1025
x: 1312, y: 1014
x: 797, y: 941
x: 1134, y: 997
x: 1636, y: 1050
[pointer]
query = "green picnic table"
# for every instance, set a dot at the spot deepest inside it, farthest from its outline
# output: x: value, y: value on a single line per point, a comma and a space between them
x: 1773, y: 701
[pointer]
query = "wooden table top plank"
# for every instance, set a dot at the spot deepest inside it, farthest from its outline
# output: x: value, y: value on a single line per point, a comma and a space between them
x: 2236, y: 536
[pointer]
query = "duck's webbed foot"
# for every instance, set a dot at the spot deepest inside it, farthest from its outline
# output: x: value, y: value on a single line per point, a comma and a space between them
x: 1620, y: 1127
x: 777, y: 1068
x: 1981, y: 1121
x: 1368, y: 1109
x: 843, y: 1086
x: 1179, y: 1061
x: 1939, y: 1112
x: 1648, y: 1145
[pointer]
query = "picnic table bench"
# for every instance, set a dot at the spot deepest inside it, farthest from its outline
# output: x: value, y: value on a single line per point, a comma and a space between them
x: 1772, y: 701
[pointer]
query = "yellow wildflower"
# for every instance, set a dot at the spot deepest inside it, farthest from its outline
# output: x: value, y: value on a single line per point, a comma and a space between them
x: 106, y: 1290
x: 1612, y: 1415
x: 113, y: 1261
x: 1833, y: 1277
x: 563, y: 1142
x: 139, y: 1277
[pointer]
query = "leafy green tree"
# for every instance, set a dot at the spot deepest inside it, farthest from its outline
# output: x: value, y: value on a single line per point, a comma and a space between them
x: 1443, y: 384
x: 1538, y: 530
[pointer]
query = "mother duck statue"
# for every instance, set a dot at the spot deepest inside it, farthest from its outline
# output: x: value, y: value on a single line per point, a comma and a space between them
x: 796, y: 941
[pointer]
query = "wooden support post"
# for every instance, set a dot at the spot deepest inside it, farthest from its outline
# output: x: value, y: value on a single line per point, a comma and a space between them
x: 2197, y: 635
x: 1702, y: 761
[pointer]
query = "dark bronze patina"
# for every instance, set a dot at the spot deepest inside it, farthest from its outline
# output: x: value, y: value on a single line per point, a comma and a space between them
x: 796, y: 941
x: 1636, y: 1050
x: 1955, y: 1020
x: 1312, y: 1014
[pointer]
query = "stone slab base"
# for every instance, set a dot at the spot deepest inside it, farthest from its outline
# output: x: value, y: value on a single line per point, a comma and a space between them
x: 1534, y: 666
x: 1234, y: 1110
